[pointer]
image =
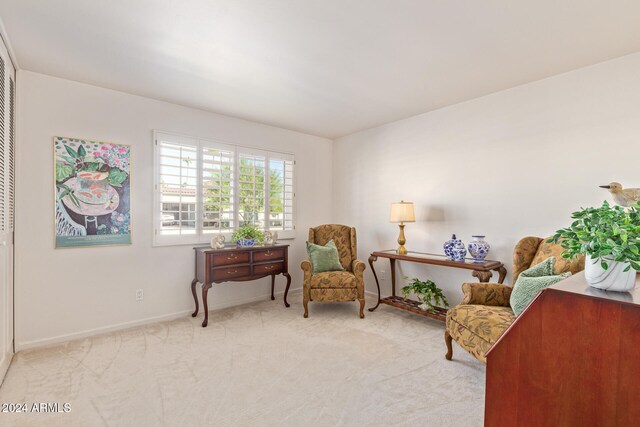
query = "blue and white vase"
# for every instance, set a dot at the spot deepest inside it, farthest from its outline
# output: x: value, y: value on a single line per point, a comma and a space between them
x: 449, y: 244
x: 459, y: 251
x: 245, y: 243
x: 479, y: 249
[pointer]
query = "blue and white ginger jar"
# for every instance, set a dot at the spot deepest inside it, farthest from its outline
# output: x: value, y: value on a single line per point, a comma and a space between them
x: 449, y: 244
x: 479, y: 249
x: 459, y: 251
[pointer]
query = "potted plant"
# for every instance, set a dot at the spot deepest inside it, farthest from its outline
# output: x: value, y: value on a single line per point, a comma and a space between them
x: 247, y: 236
x: 609, y: 236
x: 430, y: 296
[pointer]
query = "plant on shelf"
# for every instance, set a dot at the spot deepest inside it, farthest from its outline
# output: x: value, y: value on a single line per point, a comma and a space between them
x: 430, y: 296
x: 247, y: 236
x: 609, y: 236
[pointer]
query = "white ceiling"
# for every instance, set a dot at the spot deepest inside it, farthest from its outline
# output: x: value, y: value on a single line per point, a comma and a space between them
x: 324, y: 67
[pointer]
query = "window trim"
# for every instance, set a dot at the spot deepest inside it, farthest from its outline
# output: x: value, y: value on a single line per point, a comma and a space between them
x: 199, y: 237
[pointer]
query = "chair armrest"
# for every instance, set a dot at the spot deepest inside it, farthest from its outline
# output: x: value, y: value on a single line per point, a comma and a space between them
x: 486, y: 294
x: 305, y: 265
x: 358, y: 267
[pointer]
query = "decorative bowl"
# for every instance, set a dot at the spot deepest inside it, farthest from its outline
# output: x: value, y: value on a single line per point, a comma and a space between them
x: 245, y: 243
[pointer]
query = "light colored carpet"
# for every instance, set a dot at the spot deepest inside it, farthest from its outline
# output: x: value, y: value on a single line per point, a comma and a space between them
x: 259, y: 364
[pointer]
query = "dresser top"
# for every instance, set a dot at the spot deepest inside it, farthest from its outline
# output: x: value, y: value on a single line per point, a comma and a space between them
x: 234, y: 248
x: 577, y: 284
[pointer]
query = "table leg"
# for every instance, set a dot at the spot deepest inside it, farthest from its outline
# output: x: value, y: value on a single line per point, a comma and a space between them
x: 205, y: 306
x: 195, y: 296
x: 286, y: 290
x: 483, y: 276
x: 373, y: 259
x: 393, y: 276
x: 273, y: 282
x: 502, y: 273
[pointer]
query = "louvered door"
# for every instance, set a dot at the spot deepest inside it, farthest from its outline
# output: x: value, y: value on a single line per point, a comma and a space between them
x: 7, y: 216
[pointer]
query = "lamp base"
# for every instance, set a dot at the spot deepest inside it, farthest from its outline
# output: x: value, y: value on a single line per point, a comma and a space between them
x: 401, y: 241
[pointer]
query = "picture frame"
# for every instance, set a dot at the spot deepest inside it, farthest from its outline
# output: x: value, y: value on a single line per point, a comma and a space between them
x: 92, y: 193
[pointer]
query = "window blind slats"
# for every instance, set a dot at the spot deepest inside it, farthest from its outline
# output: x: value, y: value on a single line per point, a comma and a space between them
x: 4, y: 152
x: 205, y: 188
x: 217, y: 190
x: 11, y: 155
x: 178, y: 188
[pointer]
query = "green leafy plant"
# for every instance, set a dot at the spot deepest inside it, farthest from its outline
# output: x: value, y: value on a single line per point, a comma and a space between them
x: 427, y: 292
x: 608, y: 233
x: 248, y: 232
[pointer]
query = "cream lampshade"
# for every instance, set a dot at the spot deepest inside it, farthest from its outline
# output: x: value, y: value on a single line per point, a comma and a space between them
x: 402, y: 212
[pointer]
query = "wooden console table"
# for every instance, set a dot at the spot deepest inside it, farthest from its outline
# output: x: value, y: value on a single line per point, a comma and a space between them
x: 235, y: 264
x: 482, y: 271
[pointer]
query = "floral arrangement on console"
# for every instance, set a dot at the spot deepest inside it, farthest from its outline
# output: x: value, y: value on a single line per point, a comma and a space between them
x: 247, y: 236
x: 430, y: 295
x: 609, y: 236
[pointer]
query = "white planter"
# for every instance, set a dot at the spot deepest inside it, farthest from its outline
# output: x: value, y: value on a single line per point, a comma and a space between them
x: 612, y: 279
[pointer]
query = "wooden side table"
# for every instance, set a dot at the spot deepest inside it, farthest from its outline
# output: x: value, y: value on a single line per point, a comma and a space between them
x: 482, y: 271
x: 235, y: 264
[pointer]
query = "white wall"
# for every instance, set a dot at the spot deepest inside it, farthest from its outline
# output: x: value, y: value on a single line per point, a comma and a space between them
x: 66, y: 293
x: 508, y: 165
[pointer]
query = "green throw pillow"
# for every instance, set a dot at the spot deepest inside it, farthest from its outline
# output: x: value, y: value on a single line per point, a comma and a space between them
x: 324, y: 258
x: 532, y: 281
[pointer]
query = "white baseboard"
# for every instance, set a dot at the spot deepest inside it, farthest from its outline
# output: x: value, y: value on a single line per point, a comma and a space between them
x: 4, y: 364
x: 27, y: 345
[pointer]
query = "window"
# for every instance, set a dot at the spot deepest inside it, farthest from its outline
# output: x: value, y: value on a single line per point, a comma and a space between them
x: 204, y: 188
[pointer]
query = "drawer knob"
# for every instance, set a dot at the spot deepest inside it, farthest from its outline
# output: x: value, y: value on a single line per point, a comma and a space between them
x: 232, y: 257
x: 269, y: 267
x: 268, y: 253
x: 232, y: 272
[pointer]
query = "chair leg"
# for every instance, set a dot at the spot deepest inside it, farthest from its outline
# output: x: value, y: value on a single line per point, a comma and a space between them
x: 361, y: 308
x: 447, y: 340
x: 305, y: 303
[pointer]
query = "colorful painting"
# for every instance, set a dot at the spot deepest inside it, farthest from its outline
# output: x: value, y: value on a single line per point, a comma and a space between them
x: 93, y: 200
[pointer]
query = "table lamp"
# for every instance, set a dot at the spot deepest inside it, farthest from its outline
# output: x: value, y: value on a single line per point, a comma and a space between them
x: 402, y: 212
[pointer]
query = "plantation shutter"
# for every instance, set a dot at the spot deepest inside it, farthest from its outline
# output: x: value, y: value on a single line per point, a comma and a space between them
x: 252, y: 167
x: 11, y: 170
x: 7, y: 204
x: 178, y: 186
x: 205, y: 188
x: 218, y: 184
x: 4, y: 152
x: 281, y: 193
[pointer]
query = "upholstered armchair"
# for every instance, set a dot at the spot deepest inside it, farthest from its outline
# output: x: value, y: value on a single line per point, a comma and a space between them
x: 485, y: 313
x: 334, y: 286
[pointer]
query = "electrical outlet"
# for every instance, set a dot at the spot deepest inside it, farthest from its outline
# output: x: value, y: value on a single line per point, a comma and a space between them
x: 139, y: 295
x: 383, y: 275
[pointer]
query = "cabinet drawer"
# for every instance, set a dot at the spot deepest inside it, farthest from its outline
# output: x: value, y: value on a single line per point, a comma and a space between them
x: 270, y: 268
x: 229, y: 258
x: 268, y: 255
x: 222, y: 274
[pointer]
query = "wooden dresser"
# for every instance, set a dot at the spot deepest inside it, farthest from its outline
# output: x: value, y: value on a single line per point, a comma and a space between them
x: 570, y: 359
x: 235, y: 264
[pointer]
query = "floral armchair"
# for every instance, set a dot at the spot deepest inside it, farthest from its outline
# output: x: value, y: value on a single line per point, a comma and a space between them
x: 334, y: 286
x: 485, y: 313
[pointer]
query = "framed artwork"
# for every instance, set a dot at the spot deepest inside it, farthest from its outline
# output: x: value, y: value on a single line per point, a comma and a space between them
x: 92, y: 193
